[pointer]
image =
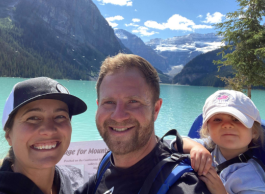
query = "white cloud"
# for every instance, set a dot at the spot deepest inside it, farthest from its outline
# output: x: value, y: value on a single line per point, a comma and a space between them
x: 135, y: 10
x: 111, y: 19
x: 117, y: 2
x: 199, y: 16
x: 131, y: 24
x: 112, y: 24
x: 136, y: 20
x: 154, y: 24
x: 214, y: 18
x: 117, y: 17
x: 176, y: 22
x: 202, y: 27
x: 143, y: 31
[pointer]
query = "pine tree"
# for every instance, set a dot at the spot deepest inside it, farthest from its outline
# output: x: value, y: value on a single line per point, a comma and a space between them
x: 244, y: 33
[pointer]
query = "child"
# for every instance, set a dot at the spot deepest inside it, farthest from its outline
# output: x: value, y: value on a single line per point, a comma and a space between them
x: 231, y: 126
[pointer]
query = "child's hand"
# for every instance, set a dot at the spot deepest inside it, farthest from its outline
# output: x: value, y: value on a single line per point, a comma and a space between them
x: 213, y: 182
x: 201, y: 159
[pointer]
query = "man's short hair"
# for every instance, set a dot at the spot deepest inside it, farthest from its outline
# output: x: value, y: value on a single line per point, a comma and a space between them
x: 126, y: 61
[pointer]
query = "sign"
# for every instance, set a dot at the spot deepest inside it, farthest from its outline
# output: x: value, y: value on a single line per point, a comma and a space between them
x: 81, y: 161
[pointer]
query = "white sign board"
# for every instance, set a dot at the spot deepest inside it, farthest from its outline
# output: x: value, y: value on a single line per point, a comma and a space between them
x: 81, y: 160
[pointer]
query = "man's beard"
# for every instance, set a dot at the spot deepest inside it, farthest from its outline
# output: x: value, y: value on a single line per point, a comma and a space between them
x: 138, y: 139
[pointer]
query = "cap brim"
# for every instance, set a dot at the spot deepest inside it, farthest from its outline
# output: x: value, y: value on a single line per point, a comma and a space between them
x: 244, y: 119
x: 76, y: 105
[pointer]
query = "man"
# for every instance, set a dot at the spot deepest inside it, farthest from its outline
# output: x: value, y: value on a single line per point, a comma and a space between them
x: 128, y: 105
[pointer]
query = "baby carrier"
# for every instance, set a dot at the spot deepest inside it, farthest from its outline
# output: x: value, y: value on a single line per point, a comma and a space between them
x: 258, y: 154
x: 181, y: 164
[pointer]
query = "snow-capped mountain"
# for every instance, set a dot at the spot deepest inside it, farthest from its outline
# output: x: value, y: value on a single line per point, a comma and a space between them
x: 138, y: 47
x: 179, y: 50
x: 172, y: 54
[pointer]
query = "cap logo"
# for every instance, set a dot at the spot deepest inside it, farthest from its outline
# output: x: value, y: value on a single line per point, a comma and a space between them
x: 62, y: 89
x: 223, y: 98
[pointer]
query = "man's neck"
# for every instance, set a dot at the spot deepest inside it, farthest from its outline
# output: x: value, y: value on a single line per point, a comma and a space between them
x: 128, y: 160
x: 43, y: 178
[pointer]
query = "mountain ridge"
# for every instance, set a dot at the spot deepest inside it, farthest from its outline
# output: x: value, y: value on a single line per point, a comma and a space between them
x: 179, y: 50
x: 201, y: 71
x: 73, y: 38
x: 138, y: 47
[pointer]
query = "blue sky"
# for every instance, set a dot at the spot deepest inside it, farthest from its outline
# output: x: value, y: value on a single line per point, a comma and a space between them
x: 150, y: 19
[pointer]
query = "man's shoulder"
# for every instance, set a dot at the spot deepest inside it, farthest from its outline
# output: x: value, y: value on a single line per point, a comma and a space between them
x: 188, y: 183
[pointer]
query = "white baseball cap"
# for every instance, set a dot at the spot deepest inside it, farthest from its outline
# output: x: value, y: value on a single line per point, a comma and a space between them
x: 233, y: 103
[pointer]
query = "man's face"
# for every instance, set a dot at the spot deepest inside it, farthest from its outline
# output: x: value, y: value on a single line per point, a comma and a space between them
x: 126, y: 112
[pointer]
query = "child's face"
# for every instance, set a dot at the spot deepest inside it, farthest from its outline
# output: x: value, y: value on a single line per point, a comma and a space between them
x: 229, y: 133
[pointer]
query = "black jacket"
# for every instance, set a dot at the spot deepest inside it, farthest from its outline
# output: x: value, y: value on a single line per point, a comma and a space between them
x: 16, y: 183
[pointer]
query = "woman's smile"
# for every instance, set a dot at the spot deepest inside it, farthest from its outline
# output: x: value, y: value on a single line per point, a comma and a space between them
x: 41, y: 133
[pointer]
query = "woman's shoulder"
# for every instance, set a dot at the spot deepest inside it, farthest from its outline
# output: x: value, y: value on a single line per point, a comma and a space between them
x: 11, y: 182
x: 5, y: 165
x: 63, y: 181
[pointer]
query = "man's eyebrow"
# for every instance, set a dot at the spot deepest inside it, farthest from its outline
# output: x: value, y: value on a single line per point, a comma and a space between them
x: 127, y: 97
x: 131, y: 97
x: 135, y: 96
x: 106, y: 98
x: 61, y: 109
x: 33, y: 109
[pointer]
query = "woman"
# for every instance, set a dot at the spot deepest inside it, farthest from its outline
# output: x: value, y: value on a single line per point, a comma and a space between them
x: 36, y: 121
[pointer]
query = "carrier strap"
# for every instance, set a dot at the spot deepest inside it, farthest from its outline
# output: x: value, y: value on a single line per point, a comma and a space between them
x: 179, y: 141
x: 182, y: 165
x: 244, y: 157
x: 103, y: 166
x: 177, y: 171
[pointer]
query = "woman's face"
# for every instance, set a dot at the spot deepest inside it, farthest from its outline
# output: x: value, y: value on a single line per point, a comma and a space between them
x: 41, y: 133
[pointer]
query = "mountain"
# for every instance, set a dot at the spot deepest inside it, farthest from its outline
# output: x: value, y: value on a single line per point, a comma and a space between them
x: 164, y: 78
x: 138, y: 47
x: 179, y: 50
x: 201, y: 71
x: 59, y: 39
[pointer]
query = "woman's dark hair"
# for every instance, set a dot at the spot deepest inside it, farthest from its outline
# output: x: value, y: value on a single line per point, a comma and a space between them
x: 8, y: 127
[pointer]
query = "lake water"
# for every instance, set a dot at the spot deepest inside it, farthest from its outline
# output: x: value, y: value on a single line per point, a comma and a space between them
x: 181, y: 105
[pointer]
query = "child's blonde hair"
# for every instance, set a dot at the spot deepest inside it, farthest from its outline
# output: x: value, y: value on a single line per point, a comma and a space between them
x: 258, y: 141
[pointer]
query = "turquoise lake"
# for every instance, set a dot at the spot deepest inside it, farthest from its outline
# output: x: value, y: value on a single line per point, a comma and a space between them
x: 181, y: 105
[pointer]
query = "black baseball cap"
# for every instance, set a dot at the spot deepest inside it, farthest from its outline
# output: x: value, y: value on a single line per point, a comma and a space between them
x: 40, y: 88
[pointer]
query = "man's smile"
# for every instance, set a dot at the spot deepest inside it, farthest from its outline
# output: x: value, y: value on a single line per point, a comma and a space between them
x: 121, y: 129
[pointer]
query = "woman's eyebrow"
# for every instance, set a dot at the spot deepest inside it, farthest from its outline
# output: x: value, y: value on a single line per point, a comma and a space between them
x: 33, y: 109
x: 61, y: 109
